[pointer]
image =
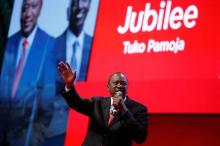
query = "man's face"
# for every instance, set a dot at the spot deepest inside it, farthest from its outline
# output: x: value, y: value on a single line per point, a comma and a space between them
x: 78, y: 13
x: 118, y: 82
x: 29, y: 15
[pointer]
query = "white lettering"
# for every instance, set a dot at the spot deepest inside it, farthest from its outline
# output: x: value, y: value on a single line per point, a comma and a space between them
x: 150, y: 19
x: 134, y: 48
x: 175, y: 18
x: 167, y: 15
x: 149, y: 13
x: 190, y: 14
x: 123, y: 29
x: 136, y: 28
x: 161, y: 13
x: 166, y: 46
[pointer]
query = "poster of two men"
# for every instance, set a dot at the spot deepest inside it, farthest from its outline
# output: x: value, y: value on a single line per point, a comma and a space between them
x: 41, y: 34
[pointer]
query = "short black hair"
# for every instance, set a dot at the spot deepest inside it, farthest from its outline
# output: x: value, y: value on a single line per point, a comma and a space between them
x: 118, y: 72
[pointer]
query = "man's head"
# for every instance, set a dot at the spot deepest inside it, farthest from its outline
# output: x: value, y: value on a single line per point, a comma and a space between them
x: 117, y: 82
x: 29, y: 15
x: 77, y: 13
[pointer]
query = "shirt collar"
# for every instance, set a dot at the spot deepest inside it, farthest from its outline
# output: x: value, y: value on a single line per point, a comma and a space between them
x: 71, y: 38
x: 30, y: 38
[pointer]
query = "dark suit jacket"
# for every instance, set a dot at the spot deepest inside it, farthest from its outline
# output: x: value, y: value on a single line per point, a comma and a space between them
x: 33, y: 85
x: 123, y: 129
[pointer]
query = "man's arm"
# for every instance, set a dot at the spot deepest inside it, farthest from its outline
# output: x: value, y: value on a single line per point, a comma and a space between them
x: 84, y: 106
x: 136, y: 123
x: 72, y: 98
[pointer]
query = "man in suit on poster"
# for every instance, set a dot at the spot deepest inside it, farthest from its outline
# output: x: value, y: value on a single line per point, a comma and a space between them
x: 25, y: 94
x: 114, y: 121
x: 73, y: 46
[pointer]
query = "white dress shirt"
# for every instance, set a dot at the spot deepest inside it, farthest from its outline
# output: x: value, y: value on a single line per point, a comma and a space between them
x: 30, y: 39
x: 71, y: 38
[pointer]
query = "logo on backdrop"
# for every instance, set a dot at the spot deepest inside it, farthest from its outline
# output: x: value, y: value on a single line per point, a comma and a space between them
x: 162, y: 20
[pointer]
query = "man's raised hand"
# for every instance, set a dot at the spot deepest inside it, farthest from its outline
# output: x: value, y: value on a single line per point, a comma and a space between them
x: 67, y: 73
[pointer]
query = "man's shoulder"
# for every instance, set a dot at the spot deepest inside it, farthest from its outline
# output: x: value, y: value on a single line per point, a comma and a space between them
x: 60, y: 41
x: 12, y: 42
x: 43, y: 34
x: 61, y: 37
x: 87, y: 35
x: 87, y: 38
x: 15, y: 36
x: 134, y: 103
x: 99, y: 98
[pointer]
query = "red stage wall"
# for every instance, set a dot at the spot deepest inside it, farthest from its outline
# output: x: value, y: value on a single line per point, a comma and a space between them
x: 172, y: 64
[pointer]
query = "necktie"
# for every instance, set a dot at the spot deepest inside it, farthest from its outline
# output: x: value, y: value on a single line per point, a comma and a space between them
x: 19, y: 68
x: 73, y: 59
x: 111, y: 117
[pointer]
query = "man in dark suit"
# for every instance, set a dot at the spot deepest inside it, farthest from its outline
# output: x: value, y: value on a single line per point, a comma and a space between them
x: 114, y: 121
x: 73, y: 46
x: 25, y: 94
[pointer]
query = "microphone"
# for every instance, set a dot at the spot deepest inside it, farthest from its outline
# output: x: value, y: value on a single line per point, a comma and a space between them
x: 118, y: 94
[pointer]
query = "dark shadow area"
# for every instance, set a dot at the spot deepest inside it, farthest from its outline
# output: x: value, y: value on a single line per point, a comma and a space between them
x: 5, y: 15
x: 183, y: 130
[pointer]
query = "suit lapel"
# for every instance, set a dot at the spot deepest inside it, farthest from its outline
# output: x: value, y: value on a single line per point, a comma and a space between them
x: 106, y: 107
x: 85, y: 57
x: 15, y: 52
x: 60, y: 47
x: 12, y: 58
x: 34, y: 63
x: 59, y: 54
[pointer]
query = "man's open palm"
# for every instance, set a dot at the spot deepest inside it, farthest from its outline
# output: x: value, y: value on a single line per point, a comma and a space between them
x: 66, y: 72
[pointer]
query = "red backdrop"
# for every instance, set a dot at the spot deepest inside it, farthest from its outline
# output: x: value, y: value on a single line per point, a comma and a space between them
x: 184, y: 82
